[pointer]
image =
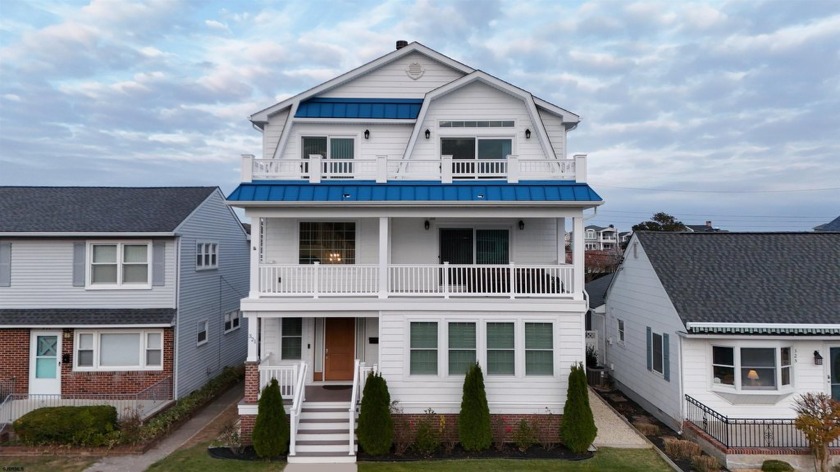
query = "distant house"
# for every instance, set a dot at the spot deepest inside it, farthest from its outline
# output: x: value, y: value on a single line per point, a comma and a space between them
x: 833, y: 226
x: 715, y: 332
x: 706, y: 228
x: 118, y: 291
x: 599, y: 238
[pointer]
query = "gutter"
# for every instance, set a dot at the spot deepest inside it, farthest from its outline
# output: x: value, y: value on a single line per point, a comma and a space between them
x: 76, y: 234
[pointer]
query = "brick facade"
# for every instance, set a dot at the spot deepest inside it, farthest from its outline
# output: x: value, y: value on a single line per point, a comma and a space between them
x: 246, y: 427
x: 252, y: 382
x: 16, y: 354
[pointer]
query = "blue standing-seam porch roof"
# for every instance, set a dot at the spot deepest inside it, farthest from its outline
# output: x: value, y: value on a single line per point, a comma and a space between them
x: 413, y: 191
x: 362, y: 108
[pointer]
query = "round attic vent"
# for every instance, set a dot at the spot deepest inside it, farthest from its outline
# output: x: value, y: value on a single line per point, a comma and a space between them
x: 415, y: 70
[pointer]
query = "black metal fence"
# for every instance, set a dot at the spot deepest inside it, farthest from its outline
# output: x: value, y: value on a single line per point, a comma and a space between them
x: 746, y: 432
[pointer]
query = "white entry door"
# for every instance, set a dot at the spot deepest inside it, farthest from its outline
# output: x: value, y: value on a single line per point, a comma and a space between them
x: 45, y: 362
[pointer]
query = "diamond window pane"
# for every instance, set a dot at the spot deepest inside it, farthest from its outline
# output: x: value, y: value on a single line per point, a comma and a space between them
x: 423, y: 335
x: 105, y: 253
x: 47, y: 346
x: 119, y: 349
x: 135, y: 253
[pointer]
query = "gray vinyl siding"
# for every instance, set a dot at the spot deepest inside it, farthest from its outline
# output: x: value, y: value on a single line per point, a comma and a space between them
x: 209, y: 294
x: 46, y: 267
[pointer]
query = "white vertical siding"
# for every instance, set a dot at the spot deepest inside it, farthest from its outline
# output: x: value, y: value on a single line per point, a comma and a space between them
x: 272, y: 132
x: 209, y: 294
x: 42, y: 277
x: 391, y: 81
x: 638, y: 298
x: 556, y: 132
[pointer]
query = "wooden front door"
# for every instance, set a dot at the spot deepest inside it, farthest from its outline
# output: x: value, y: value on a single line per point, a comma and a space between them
x: 340, y: 345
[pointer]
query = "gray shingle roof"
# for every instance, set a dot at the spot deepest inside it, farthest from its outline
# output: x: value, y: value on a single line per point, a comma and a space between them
x: 71, y: 317
x: 788, y: 278
x: 597, y: 290
x: 833, y: 225
x: 97, y: 209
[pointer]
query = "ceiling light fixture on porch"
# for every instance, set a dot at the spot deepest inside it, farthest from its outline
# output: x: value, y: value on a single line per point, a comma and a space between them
x: 817, y: 358
x: 521, y: 225
x: 428, y: 134
x: 527, y: 134
x: 426, y: 225
x: 367, y: 134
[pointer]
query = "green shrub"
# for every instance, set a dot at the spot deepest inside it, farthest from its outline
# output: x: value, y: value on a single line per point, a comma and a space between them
x: 578, y: 427
x: 376, y: 427
x: 776, y: 466
x: 474, y: 429
x: 271, y: 429
x: 705, y: 463
x: 427, y: 440
x: 67, y: 425
x: 524, y: 436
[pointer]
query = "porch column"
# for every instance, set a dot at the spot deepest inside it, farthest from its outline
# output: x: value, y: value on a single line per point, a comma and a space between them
x: 561, y: 240
x: 256, y: 256
x: 578, y: 259
x: 253, y: 336
x: 384, y: 255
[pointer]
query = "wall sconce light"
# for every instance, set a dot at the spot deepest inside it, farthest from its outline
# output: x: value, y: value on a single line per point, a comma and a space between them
x: 527, y: 134
x: 521, y: 225
x: 817, y: 358
x: 367, y: 134
x: 426, y: 225
x: 428, y: 134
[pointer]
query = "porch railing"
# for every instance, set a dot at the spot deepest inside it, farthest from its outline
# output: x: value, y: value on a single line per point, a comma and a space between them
x: 297, y: 403
x: 145, y: 401
x: 746, y: 432
x: 286, y: 375
x: 386, y: 168
x: 415, y: 280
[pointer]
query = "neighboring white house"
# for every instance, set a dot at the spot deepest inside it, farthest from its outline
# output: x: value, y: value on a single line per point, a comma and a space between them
x: 599, y: 238
x: 411, y: 214
x: 716, y: 334
x: 118, y: 293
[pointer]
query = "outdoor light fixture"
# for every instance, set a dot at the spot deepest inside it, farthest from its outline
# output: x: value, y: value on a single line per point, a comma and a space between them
x: 527, y: 134
x: 521, y: 225
x: 428, y: 134
x: 817, y: 358
x: 367, y: 134
x: 426, y: 225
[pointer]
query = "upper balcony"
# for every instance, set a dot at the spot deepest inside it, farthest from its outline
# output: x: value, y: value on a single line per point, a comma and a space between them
x: 389, y: 168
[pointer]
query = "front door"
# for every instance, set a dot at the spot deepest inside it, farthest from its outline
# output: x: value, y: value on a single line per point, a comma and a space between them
x: 834, y: 375
x: 340, y: 348
x: 45, y: 362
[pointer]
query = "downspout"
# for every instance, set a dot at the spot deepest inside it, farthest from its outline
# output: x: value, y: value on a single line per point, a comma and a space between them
x: 176, y: 331
x: 681, y: 386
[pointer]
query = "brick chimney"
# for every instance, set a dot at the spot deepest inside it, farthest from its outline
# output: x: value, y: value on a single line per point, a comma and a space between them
x: 709, y: 224
x: 402, y: 43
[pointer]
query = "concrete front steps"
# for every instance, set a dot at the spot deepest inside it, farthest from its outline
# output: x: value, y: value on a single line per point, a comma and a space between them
x: 323, y: 435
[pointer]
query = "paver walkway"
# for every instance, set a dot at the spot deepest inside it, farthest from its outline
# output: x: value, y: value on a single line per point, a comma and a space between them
x: 168, y: 445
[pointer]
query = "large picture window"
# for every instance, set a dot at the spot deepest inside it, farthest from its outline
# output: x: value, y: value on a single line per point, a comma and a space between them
x: 327, y: 243
x: 119, y: 265
x: 423, y: 346
x: 752, y: 368
x: 461, y: 347
x: 119, y: 350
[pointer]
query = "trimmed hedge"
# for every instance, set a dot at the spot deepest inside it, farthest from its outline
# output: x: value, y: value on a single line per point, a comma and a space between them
x: 68, y: 425
x: 376, y: 427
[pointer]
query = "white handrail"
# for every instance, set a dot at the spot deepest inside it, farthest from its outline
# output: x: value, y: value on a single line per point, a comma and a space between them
x: 357, y: 366
x: 297, y: 403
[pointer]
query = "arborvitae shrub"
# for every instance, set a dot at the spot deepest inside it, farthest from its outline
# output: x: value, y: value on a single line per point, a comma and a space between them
x: 68, y: 425
x: 271, y: 430
x: 376, y: 427
x: 474, y: 420
x: 578, y: 427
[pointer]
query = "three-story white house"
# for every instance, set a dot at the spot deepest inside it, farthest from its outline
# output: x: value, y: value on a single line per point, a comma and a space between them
x: 410, y: 215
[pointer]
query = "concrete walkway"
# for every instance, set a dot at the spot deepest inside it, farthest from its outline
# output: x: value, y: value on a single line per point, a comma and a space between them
x: 613, y: 429
x: 168, y: 445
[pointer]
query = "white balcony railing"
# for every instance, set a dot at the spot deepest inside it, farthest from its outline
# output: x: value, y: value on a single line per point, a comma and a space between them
x: 387, y: 168
x: 418, y: 280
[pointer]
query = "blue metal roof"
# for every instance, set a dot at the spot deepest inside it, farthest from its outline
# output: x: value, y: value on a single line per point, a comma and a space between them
x: 374, y: 108
x: 413, y: 191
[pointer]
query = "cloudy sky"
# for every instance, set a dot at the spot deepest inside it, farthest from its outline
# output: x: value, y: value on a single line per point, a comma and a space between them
x: 723, y: 111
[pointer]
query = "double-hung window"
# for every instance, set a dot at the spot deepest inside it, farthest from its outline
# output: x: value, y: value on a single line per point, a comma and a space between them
x: 291, y: 338
x: 423, y: 345
x: 621, y: 331
x: 539, y: 349
x: 124, y: 265
x: 461, y: 347
x: 338, y: 153
x: 119, y: 350
x: 752, y: 368
x: 206, y: 256
x: 202, y: 328
x: 658, y: 353
x: 232, y: 321
x: 500, y: 349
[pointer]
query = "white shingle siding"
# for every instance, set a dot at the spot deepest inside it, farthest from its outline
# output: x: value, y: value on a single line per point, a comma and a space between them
x: 272, y: 132
x: 556, y: 132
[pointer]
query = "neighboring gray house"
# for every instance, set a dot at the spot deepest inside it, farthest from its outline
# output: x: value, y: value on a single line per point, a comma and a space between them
x: 715, y: 333
x: 119, y: 290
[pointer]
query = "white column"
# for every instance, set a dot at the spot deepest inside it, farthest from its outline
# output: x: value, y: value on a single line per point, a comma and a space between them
x: 381, y: 169
x: 580, y: 167
x: 561, y: 240
x: 247, y: 167
x: 446, y: 169
x: 512, y: 169
x: 315, y: 168
x: 578, y: 256
x: 256, y: 237
x: 384, y: 255
x: 253, y: 336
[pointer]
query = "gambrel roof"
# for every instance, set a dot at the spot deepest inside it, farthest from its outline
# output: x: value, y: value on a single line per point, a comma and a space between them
x: 749, y: 282
x: 47, y: 211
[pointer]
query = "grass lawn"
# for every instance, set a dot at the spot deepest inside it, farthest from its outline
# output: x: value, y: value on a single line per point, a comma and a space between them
x: 195, y: 459
x: 46, y: 463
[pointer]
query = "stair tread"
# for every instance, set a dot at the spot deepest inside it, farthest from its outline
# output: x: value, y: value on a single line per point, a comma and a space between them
x: 323, y: 431
x: 325, y: 420
x: 322, y: 442
x: 322, y: 454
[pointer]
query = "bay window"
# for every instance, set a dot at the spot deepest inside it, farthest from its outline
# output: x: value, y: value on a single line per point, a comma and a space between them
x: 751, y: 368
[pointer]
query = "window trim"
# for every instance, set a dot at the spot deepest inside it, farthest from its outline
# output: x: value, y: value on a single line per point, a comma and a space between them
x: 553, y: 349
x: 487, y: 347
x: 437, y: 348
x: 235, y: 321
x: 213, y: 253
x: 96, y: 351
x: 738, y: 385
x: 620, y: 326
x: 120, y: 262
x: 205, y: 330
